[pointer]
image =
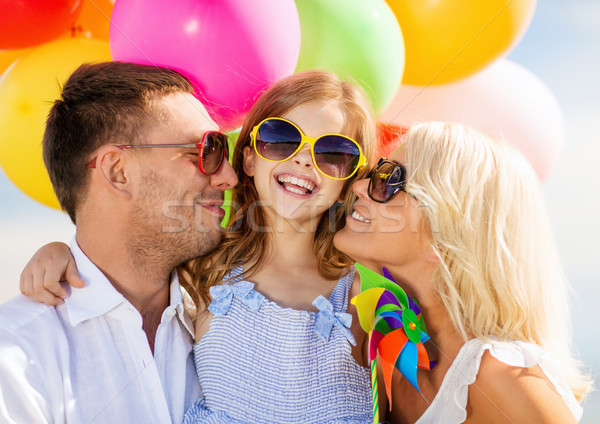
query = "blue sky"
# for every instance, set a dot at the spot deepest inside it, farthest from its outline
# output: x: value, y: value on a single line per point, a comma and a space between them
x: 562, y: 47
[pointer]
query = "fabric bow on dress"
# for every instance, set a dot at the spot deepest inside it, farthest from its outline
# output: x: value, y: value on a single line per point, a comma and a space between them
x: 223, y: 295
x: 326, y: 319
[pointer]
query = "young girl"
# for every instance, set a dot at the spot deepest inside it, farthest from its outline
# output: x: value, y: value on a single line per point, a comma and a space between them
x: 275, y: 343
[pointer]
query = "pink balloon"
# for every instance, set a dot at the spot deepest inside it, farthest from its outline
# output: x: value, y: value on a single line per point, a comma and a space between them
x: 504, y: 100
x: 231, y: 50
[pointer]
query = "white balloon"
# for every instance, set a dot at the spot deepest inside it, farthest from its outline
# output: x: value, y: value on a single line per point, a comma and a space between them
x: 504, y: 100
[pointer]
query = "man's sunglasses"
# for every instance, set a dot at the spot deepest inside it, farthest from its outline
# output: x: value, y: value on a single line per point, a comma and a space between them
x: 386, y: 181
x: 334, y: 155
x: 212, y: 151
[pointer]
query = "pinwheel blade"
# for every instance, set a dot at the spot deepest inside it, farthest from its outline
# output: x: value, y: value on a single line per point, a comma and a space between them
x: 388, y: 298
x: 374, y: 340
x: 388, y: 370
x: 370, y: 279
x: 407, y: 364
x: 422, y: 357
x: 366, y: 303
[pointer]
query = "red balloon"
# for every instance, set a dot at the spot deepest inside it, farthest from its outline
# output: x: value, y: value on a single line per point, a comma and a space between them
x: 27, y: 23
x: 389, y: 137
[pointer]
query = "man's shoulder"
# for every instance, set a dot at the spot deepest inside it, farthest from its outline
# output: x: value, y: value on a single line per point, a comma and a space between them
x: 21, y: 314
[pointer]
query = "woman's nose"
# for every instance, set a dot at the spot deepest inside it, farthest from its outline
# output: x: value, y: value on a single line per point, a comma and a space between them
x: 360, y: 187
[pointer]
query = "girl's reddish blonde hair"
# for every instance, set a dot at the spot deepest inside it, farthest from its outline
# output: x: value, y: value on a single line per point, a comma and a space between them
x: 241, y: 244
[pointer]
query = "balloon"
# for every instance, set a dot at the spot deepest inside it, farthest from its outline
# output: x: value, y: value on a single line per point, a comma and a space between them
x: 231, y: 50
x: 447, y: 40
x: 356, y: 39
x: 27, y: 91
x: 504, y: 100
x: 389, y: 137
x: 27, y: 23
x: 7, y: 57
x: 94, y: 20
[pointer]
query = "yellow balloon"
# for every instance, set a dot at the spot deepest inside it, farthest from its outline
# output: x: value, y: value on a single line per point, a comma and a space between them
x: 446, y: 40
x: 7, y: 57
x: 27, y: 91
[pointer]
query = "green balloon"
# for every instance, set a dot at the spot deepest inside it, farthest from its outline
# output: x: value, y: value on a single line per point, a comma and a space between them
x: 358, y: 40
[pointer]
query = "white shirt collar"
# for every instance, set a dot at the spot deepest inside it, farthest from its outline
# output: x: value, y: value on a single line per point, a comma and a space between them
x: 99, y: 296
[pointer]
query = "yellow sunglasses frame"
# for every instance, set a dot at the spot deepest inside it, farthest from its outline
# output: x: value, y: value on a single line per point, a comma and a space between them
x: 362, y: 161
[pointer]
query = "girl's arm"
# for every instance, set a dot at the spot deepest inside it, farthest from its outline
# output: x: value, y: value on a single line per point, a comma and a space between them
x: 42, y: 276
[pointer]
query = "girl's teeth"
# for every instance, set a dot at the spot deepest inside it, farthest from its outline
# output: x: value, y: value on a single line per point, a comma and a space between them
x: 294, y: 190
x: 309, y: 185
x: 359, y: 217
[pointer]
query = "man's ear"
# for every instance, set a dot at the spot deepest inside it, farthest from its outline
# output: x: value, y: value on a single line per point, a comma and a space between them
x: 248, y: 162
x: 114, y: 170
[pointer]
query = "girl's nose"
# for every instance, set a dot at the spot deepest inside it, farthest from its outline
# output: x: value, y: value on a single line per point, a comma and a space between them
x: 303, y: 158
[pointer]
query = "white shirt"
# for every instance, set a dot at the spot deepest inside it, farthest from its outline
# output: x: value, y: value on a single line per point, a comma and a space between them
x: 88, y: 361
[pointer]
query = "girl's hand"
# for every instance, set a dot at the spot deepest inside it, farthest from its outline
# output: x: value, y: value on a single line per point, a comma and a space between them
x: 42, y: 276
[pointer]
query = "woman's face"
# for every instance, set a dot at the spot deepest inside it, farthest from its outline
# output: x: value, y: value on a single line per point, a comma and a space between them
x: 294, y: 189
x: 384, y: 234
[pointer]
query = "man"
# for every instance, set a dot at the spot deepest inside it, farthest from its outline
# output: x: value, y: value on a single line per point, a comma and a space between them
x: 122, y: 150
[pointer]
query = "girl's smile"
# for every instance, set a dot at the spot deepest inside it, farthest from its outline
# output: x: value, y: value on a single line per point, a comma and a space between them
x: 297, y: 184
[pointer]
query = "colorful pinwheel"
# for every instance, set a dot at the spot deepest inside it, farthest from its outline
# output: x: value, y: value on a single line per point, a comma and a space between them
x: 395, y: 327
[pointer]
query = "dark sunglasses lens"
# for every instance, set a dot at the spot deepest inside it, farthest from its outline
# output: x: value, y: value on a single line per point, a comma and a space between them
x: 336, y: 156
x: 277, y: 140
x: 215, y: 149
x: 386, y: 180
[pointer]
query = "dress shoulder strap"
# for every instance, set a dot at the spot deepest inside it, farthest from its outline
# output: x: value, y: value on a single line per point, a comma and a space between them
x: 235, y: 275
x: 339, y: 295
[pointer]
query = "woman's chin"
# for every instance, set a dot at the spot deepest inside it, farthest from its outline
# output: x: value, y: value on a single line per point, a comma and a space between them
x: 348, y: 242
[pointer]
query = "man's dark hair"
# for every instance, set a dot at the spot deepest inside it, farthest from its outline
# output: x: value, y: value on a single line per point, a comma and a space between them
x: 104, y: 103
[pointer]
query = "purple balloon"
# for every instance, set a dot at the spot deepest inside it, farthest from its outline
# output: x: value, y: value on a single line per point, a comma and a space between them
x: 231, y: 50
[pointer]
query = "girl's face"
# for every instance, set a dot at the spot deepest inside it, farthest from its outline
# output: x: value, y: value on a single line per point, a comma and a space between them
x: 294, y: 189
x: 384, y: 234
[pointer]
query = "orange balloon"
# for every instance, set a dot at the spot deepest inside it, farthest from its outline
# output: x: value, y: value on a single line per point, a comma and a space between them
x: 94, y: 20
x: 446, y: 40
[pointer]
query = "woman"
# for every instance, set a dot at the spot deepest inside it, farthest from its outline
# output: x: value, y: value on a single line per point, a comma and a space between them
x: 458, y: 220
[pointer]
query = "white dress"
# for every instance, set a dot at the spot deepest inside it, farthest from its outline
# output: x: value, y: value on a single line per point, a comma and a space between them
x: 449, y: 405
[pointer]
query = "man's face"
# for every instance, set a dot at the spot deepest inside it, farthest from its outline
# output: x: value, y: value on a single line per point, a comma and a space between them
x: 176, y: 208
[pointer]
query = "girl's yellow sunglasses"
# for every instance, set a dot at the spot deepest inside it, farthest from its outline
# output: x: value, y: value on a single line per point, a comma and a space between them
x: 334, y: 155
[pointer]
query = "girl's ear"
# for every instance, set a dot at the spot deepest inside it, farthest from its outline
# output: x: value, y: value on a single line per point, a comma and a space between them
x: 248, y: 162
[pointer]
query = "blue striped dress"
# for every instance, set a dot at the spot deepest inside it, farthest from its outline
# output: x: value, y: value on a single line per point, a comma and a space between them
x: 261, y: 363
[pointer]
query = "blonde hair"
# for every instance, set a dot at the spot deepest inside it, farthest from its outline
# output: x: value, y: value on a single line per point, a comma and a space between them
x: 499, y: 274
x: 241, y: 243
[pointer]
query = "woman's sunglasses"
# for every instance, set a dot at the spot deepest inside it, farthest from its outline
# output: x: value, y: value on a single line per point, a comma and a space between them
x: 212, y: 151
x: 334, y: 155
x: 386, y: 181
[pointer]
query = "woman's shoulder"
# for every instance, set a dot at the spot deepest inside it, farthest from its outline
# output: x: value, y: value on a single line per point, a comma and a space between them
x: 500, y: 381
x: 518, y: 381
